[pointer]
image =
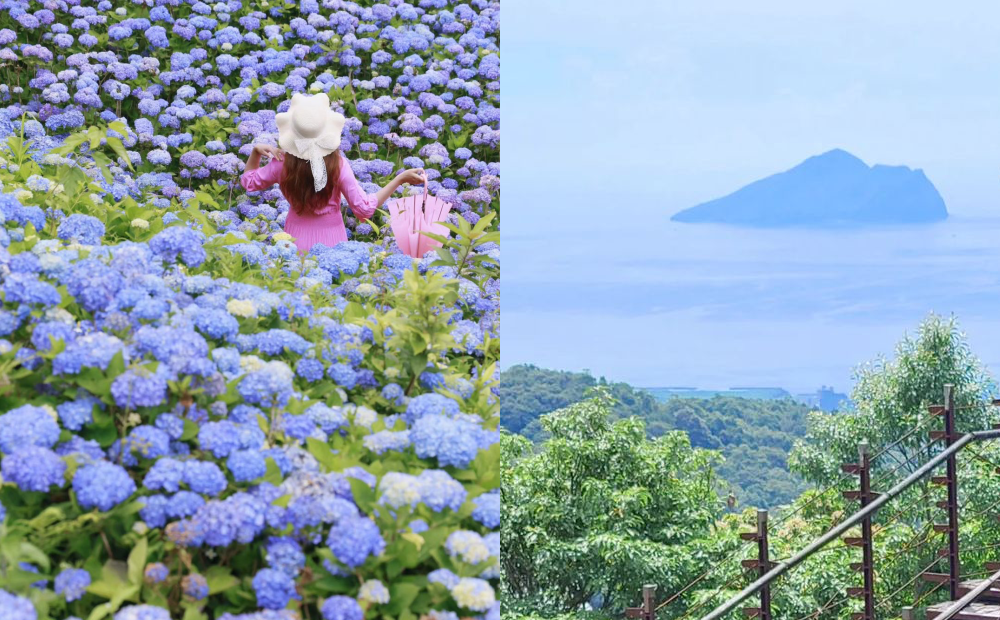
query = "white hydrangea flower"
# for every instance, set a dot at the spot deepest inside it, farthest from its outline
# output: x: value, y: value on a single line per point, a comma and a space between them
x: 250, y: 363
x: 241, y: 307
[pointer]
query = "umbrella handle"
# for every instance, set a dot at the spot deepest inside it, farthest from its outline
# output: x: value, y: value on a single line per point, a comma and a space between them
x: 423, y: 202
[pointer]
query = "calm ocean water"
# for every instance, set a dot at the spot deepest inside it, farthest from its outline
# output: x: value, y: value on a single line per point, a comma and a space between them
x: 716, y: 306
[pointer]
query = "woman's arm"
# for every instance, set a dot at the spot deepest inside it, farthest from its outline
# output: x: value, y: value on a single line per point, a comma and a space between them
x: 364, y: 205
x: 254, y: 177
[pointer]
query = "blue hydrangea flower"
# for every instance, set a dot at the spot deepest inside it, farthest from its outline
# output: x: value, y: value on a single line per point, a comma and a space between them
x: 221, y: 438
x: 72, y: 583
x: 144, y: 441
x: 443, y: 576
x: 427, y: 404
x: 271, y: 386
x: 90, y: 351
x: 74, y: 414
x: 102, y: 485
x: 27, y: 425
x: 26, y: 288
x: 240, y: 517
x: 157, y: 572
x: 353, y: 540
x: 33, y: 468
x: 488, y: 509
x: 451, y: 442
x: 310, y: 369
x: 166, y: 474
x: 93, y: 284
x: 438, y: 490
x: 179, y: 241
x: 138, y: 387
x: 246, y: 465
x: 19, y: 608
x: 85, y: 229
x: 204, y: 477
x: 341, y: 608
x: 285, y: 555
x: 274, y: 589
x: 184, y: 504
x: 195, y: 586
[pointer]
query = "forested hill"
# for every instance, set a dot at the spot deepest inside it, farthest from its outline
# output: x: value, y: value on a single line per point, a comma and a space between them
x: 755, y: 436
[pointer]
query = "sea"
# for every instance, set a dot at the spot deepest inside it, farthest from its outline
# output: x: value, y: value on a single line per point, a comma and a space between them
x: 711, y: 306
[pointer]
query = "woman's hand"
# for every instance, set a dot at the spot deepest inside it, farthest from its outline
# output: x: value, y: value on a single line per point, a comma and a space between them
x: 271, y: 151
x: 413, y: 176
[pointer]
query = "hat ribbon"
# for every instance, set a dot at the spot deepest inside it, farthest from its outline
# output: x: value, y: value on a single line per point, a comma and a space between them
x: 311, y: 149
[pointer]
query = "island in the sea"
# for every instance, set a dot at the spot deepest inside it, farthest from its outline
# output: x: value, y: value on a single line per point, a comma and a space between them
x: 832, y: 189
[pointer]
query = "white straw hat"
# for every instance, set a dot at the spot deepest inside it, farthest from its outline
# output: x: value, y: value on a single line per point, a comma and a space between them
x: 310, y: 130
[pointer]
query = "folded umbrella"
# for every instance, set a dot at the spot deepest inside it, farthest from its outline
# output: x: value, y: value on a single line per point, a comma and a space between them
x: 412, y: 215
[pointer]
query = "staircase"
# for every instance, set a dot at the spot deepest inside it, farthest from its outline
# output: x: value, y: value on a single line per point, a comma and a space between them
x: 979, y: 600
x: 966, y: 597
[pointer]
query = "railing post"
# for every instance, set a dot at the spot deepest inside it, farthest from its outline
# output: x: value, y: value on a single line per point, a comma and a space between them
x: 648, y: 591
x: 867, y: 565
x: 765, y: 564
x: 868, y: 557
x: 906, y: 613
x: 950, y: 437
x: 762, y: 564
x: 647, y: 611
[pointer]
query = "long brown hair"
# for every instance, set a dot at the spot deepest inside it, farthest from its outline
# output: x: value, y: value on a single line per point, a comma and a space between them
x: 297, y: 182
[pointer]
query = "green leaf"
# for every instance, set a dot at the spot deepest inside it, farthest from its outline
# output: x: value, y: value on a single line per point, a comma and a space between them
x: 190, y: 430
x: 116, y: 366
x: 119, y: 149
x: 137, y: 561
x: 323, y: 453
x: 220, y: 579
x: 401, y: 595
x: 35, y: 555
x: 273, y: 474
x: 364, y: 495
x: 193, y: 613
x: 95, y: 135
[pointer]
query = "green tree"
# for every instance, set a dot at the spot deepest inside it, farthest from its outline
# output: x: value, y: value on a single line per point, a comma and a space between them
x: 891, y: 401
x: 599, y: 509
x: 891, y: 398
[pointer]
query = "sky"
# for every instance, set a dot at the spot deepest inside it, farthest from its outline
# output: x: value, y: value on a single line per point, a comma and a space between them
x: 618, y: 115
x: 681, y: 102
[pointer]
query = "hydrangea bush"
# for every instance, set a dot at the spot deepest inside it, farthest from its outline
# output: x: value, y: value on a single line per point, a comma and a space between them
x: 195, y: 421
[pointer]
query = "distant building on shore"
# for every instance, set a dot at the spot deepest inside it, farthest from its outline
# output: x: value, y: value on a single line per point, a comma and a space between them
x: 825, y: 398
x: 759, y: 393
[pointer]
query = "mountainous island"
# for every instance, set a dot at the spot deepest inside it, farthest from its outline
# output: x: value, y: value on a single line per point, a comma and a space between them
x: 832, y: 189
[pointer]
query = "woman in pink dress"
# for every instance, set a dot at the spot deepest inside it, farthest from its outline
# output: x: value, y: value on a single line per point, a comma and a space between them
x: 316, y: 174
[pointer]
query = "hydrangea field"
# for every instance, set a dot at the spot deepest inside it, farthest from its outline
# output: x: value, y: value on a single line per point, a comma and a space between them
x: 196, y: 422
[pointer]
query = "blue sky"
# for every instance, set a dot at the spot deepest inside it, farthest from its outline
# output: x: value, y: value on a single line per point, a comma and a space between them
x: 619, y: 114
x: 680, y: 102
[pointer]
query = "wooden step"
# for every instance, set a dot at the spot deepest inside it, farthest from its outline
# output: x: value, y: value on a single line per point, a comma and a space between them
x: 975, y: 611
x: 992, y: 595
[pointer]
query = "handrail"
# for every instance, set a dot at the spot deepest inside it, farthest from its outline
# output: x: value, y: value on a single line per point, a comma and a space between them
x: 851, y: 521
x: 953, y: 609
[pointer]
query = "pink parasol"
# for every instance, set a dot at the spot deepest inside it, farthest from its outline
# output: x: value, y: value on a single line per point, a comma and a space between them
x: 411, y: 215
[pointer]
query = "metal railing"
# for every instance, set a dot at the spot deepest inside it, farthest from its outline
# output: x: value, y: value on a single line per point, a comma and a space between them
x: 767, y: 571
x: 853, y: 520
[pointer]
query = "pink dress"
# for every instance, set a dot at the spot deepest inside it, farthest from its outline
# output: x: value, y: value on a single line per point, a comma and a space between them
x: 326, y: 224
